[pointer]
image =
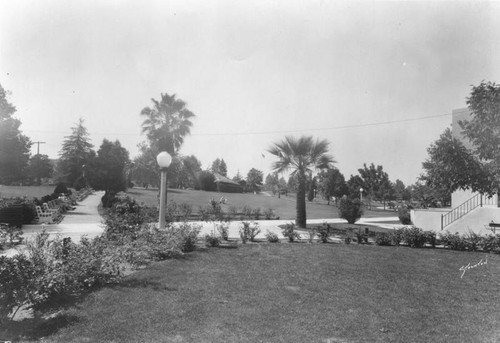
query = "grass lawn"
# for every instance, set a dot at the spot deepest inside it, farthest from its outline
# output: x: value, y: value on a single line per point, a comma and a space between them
x: 28, y: 191
x: 292, y: 293
x: 284, y: 207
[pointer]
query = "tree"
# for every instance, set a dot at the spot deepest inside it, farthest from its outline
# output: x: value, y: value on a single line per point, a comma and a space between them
x: 76, y: 154
x: 109, y: 172
x: 354, y: 186
x: 271, y: 183
x: 40, y: 166
x: 376, y: 182
x: 191, y: 167
x: 451, y: 166
x: 483, y: 130
x: 145, y: 171
x: 401, y: 192
x: 254, y: 180
x: 219, y: 167
x: 303, y: 156
x: 331, y: 183
x: 14, y: 146
x: 167, y: 123
x: 430, y: 196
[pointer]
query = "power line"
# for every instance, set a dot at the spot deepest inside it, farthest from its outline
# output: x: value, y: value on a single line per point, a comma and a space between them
x: 272, y: 132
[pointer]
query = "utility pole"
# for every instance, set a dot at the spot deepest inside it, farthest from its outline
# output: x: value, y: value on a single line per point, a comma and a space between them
x: 38, y: 148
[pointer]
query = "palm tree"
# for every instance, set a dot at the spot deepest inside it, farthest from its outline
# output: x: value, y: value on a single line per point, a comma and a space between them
x: 302, y: 156
x: 167, y: 123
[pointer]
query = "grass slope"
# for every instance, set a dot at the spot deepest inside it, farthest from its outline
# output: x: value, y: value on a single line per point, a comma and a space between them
x: 284, y: 207
x: 25, y: 191
x: 296, y: 293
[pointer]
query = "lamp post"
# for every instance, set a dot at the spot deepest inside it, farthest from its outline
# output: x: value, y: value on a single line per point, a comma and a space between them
x: 361, y: 195
x: 164, y: 160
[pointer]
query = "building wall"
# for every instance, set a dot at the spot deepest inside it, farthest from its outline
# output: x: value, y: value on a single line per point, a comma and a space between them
x: 428, y: 219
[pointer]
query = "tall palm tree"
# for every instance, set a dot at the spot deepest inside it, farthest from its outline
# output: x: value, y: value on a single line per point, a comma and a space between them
x: 302, y: 156
x: 167, y: 123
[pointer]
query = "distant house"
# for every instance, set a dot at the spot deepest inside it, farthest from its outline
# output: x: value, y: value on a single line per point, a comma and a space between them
x: 226, y: 185
x: 470, y: 211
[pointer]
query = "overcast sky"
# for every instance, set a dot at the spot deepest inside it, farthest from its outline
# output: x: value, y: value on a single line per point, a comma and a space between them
x: 356, y: 73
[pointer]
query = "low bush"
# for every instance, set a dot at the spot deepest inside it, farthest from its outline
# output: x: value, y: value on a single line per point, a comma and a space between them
x: 272, y: 237
x: 212, y: 240
x: 256, y: 213
x: 223, y: 229
x: 323, y: 232
x: 249, y: 231
x: 269, y: 214
x: 10, y: 235
x: 290, y: 233
x: 414, y: 237
x: 350, y: 210
x: 404, y: 215
x: 383, y: 238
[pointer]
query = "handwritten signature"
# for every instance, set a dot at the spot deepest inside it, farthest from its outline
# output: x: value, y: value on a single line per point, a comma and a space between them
x: 463, y: 269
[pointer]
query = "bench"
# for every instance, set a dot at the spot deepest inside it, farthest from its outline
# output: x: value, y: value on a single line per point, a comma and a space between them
x: 493, y: 226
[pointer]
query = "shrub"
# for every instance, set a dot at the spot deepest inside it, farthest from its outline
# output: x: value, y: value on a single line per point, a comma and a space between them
x: 383, y: 238
x: 185, y: 210
x: 223, y: 229
x: 10, y: 235
x: 414, y: 237
x: 256, y: 213
x: 187, y: 235
x: 312, y: 233
x: 212, y: 240
x: 350, y: 210
x: 404, y: 215
x: 290, y: 233
x: 249, y: 231
x: 323, y: 232
x: 269, y: 214
x: 472, y: 241
x: 272, y: 237
x: 491, y: 243
x: 453, y: 241
x: 247, y: 212
x: 233, y: 212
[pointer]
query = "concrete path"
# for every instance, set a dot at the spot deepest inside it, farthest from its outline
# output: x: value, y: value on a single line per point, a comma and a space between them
x: 84, y: 220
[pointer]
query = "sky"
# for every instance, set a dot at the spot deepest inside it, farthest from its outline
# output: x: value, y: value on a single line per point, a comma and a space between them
x: 378, y: 80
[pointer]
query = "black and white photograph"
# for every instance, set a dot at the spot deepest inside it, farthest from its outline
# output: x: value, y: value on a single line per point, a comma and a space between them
x: 249, y: 171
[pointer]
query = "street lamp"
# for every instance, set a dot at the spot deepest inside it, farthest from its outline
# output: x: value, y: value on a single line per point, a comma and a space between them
x: 164, y: 160
x: 361, y: 195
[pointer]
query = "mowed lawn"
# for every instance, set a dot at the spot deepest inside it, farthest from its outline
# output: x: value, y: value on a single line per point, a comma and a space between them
x: 283, y: 207
x: 295, y: 292
x: 26, y: 191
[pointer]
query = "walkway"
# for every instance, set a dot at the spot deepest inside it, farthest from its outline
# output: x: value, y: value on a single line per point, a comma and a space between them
x: 84, y: 220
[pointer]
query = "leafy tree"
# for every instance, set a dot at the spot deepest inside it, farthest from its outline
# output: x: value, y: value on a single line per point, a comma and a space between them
x: 376, y: 181
x: 302, y: 156
x: 145, y: 170
x: 271, y: 183
x: 167, y: 123
x: 354, y: 184
x: 254, y: 180
x: 483, y: 130
x: 40, y: 166
x: 108, y: 173
x: 428, y: 196
x: 206, y: 181
x: 451, y: 166
x: 401, y: 192
x: 14, y: 146
x: 191, y: 167
x: 331, y: 183
x: 76, y: 153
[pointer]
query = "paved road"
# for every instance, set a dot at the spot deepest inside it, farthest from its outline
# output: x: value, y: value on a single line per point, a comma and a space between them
x: 85, y: 220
